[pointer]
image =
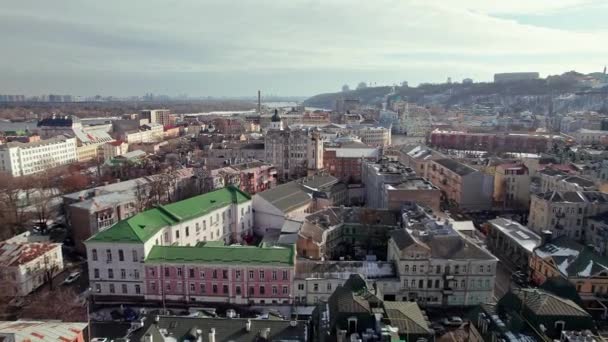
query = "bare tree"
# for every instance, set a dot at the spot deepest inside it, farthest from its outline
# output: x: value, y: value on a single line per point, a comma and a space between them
x: 61, y: 304
x: 12, y: 213
x: 49, y: 270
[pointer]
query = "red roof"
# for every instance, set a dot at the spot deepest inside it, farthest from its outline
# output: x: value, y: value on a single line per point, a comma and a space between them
x: 13, y: 254
x: 116, y: 143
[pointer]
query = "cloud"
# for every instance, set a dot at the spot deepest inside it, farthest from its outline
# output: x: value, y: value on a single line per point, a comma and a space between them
x: 166, y: 40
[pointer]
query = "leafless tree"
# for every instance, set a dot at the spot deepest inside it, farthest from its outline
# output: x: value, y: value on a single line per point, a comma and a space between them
x: 12, y: 213
x: 49, y: 270
x: 61, y: 304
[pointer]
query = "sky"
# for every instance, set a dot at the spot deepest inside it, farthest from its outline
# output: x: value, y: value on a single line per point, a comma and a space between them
x: 287, y: 47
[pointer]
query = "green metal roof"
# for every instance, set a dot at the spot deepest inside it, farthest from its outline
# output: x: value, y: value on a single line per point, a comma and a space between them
x: 214, y: 254
x: 142, y: 226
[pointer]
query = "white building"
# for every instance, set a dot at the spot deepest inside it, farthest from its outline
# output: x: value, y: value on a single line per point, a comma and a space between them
x: 25, y: 266
x: 20, y: 159
x: 147, y: 133
x: 115, y: 255
x: 585, y: 136
x: 374, y: 136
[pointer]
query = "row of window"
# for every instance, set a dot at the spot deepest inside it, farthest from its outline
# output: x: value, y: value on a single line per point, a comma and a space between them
x: 123, y: 273
x: 436, y: 284
x: 448, y: 269
x: 202, y: 289
x: 215, y: 274
x: 123, y: 287
x: 121, y: 255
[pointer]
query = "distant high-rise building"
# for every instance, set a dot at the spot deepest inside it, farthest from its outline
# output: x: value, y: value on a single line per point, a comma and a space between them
x: 159, y: 116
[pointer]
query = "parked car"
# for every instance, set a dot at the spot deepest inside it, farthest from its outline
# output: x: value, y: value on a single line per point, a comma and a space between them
x: 71, y: 278
x: 453, y: 321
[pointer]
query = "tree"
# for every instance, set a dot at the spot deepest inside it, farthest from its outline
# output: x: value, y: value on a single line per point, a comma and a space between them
x: 361, y: 85
x: 62, y: 304
x: 42, y: 194
x: 12, y: 210
x: 345, y: 88
x: 74, y: 182
x: 49, y: 270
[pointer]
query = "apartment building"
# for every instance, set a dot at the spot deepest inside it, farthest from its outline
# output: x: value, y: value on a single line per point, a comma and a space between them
x: 374, y: 136
x: 158, y: 116
x: 462, y: 186
x: 213, y: 272
x: 22, y: 159
x: 412, y: 190
x: 147, y: 133
x: 375, y: 175
x: 417, y: 157
x: 557, y: 180
x: 114, y: 149
x: 585, y: 136
x: 115, y: 255
x: 495, y: 142
x: 596, y: 233
x: 251, y: 177
x: 512, y: 186
x: 342, y: 158
x: 25, y: 266
x: 565, y: 212
x: 511, y: 240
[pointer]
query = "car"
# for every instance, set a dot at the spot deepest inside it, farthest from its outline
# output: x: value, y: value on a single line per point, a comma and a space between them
x: 71, y: 278
x: 452, y: 321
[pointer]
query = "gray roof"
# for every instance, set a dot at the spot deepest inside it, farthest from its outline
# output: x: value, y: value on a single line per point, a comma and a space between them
x: 455, y: 166
x: 580, y: 181
x: 407, y: 316
x: 518, y: 233
x: 547, y: 304
x: 574, y: 196
x: 442, y: 246
x: 295, y: 194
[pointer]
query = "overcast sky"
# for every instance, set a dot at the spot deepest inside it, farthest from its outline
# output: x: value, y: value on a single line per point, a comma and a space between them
x: 287, y: 47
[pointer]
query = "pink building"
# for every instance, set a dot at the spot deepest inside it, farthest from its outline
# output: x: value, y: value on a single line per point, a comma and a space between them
x: 252, y: 177
x: 212, y: 272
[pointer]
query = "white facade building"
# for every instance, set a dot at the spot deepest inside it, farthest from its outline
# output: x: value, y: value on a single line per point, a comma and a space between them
x: 21, y: 159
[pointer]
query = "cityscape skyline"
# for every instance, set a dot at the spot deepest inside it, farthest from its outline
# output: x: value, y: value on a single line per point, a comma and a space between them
x: 300, y: 48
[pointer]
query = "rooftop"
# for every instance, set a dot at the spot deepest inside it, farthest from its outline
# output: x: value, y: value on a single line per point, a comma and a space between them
x: 407, y: 316
x: 573, y: 259
x: 55, y: 140
x: 217, y: 253
x: 42, y: 330
x: 15, y: 254
x: 417, y: 183
x: 289, y: 196
x: 574, y: 196
x: 547, y: 304
x: 142, y: 226
x: 517, y: 232
x: 455, y: 166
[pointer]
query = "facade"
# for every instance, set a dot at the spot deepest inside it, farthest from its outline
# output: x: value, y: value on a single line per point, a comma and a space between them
x: 596, y: 233
x: 417, y: 157
x: 251, y: 177
x: 511, y: 241
x: 294, y: 152
x: 512, y: 186
x: 211, y: 272
x: 376, y: 175
x: 556, y: 180
x: 585, y: 136
x: 115, y: 255
x: 342, y: 159
x: 25, y: 266
x: 493, y: 142
x: 436, y: 266
x: 114, y: 149
x: 158, y: 116
x: 22, y: 159
x: 564, y: 212
x: 412, y: 190
x: 148, y: 133
x: 374, y: 136
x: 218, y: 155
x: 462, y: 186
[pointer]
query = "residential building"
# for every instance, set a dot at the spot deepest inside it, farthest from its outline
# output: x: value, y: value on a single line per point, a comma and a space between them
x: 96, y: 209
x: 585, y: 136
x: 417, y: 157
x: 494, y: 142
x: 315, y: 281
x: 356, y: 310
x: 412, y: 190
x: 375, y: 175
x: 171, y: 132
x: 147, y: 133
x: 580, y: 265
x: 294, y: 152
x: 556, y: 180
x: 462, y: 186
x: 564, y: 212
x: 341, y: 232
x: 251, y: 177
x: 342, y: 158
x: 218, y: 155
x: 22, y: 159
x: 512, y: 186
x: 437, y: 266
x: 114, y: 149
x: 25, y: 266
x: 229, y: 125
x: 220, y: 329
x: 115, y: 254
x: 596, y: 233
x: 511, y: 241
x: 213, y: 272
x: 374, y: 136
x: 158, y: 116
x: 29, y: 330
x: 296, y: 199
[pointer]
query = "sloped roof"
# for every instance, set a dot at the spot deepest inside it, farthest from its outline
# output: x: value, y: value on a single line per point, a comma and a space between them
x: 455, y: 166
x: 286, y: 197
x: 547, y: 304
x: 406, y: 316
x: 14, y: 254
x: 573, y: 259
x: 142, y: 226
x: 42, y: 330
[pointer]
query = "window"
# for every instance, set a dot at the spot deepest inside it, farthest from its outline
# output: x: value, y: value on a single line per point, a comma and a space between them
x: 191, y: 273
x: 192, y: 287
x: 478, y: 283
x: 204, y: 225
x: 177, y: 234
x: 202, y: 288
x: 121, y: 255
x: 123, y: 273
x: 179, y: 271
x: 285, y: 290
x: 413, y: 284
x: 275, y: 290
x: 285, y: 275
x: 237, y: 274
x: 137, y: 289
x: 301, y: 287
x: 463, y: 284
x: 214, y: 274
x: 414, y: 268
x: 225, y: 274
x: 124, y: 288
x: 202, y: 274
x: 464, y: 269
x: 438, y: 269
x: 328, y: 286
x: 262, y: 290
x: 437, y: 284
x: 407, y: 269
x: 214, y: 288
x: 487, y: 283
x: 136, y: 274
x: 274, y: 275
x: 457, y: 269
x: 167, y: 272
x: 225, y: 289
x: 96, y: 273
x: 166, y: 237
x: 187, y: 231
x: 242, y: 211
x: 168, y: 286
x: 94, y: 254
x: 237, y: 290
x: 429, y: 283
x: 111, y: 273
x: 421, y: 283
x: 152, y: 272
x: 261, y: 275
x: 250, y: 274
x: 316, y: 287
x: 251, y: 291
x: 112, y: 288
x: 109, y: 255
x: 135, y: 254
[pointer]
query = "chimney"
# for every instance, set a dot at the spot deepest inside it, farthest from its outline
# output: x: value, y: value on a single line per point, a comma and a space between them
x: 248, y: 325
x: 212, y: 335
x: 547, y: 235
x: 259, y: 102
